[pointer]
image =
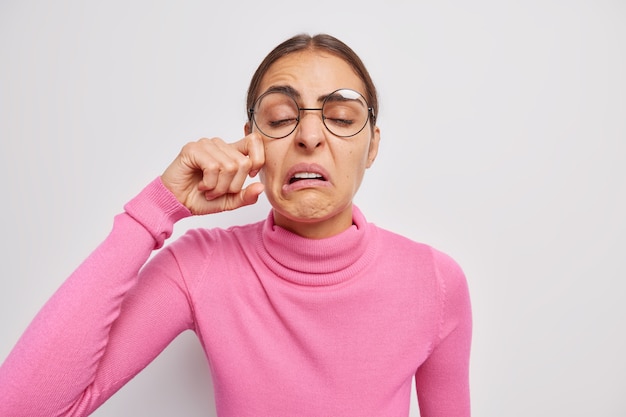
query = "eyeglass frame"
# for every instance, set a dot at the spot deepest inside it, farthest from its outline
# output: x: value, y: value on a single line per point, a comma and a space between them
x: 287, y: 92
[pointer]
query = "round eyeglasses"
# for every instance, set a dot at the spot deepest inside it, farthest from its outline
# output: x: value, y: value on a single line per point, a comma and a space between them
x: 276, y: 113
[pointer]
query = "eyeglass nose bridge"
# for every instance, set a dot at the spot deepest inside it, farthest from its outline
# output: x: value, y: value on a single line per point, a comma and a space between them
x: 301, y: 109
x: 301, y: 115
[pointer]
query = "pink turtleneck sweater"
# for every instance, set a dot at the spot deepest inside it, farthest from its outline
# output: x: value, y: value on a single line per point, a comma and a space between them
x: 291, y: 326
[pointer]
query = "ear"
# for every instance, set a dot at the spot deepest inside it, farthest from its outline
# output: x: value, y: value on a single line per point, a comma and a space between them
x: 373, y: 151
x: 247, y: 129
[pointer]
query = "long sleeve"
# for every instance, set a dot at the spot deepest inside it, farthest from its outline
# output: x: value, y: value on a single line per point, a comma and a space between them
x: 77, y: 351
x: 442, y: 381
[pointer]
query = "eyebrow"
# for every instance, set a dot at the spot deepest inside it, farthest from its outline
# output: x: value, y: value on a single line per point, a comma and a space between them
x: 292, y: 92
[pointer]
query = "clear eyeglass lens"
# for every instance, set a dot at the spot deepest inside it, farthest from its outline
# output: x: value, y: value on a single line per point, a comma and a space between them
x: 344, y: 113
x: 276, y: 114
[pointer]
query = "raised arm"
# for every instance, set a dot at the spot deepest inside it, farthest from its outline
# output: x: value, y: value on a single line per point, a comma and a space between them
x: 52, y: 369
x: 109, y: 320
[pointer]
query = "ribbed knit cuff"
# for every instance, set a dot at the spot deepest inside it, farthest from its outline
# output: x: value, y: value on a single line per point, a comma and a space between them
x: 156, y: 208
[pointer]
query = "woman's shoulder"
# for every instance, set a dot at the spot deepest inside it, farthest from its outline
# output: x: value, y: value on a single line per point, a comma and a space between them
x: 407, y: 248
x: 203, y: 238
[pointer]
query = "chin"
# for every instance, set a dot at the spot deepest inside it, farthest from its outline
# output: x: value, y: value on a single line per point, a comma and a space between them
x: 307, y: 213
x: 313, y: 210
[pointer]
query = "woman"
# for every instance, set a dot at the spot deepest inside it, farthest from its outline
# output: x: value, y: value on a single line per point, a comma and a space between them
x: 312, y: 312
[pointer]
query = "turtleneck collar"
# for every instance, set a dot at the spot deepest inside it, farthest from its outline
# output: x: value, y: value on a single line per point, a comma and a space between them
x: 317, y: 262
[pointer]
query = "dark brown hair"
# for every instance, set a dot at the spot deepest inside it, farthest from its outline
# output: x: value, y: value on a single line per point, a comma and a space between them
x: 320, y: 42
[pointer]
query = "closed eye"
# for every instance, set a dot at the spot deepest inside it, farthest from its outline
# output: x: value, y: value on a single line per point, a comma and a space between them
x: 340, y: 122
x: 282, y: 122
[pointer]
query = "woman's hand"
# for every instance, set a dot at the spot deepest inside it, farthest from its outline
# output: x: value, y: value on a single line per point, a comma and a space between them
x: 208, y: 175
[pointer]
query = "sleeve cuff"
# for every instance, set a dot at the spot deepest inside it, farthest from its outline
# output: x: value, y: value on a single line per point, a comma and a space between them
x: 156, y: 209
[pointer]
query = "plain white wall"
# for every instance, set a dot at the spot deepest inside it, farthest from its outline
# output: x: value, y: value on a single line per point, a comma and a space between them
x: 503, y: 144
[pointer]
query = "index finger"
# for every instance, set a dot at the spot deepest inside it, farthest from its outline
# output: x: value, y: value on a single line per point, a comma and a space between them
x: 252, y: 146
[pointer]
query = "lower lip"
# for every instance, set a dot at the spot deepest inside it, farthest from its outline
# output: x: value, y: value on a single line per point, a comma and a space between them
x: 303, y: 184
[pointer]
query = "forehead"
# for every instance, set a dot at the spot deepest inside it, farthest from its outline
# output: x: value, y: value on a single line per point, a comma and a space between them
x: 312, y: 74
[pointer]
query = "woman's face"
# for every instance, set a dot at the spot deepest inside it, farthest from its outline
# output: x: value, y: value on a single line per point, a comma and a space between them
x: 319, y: 205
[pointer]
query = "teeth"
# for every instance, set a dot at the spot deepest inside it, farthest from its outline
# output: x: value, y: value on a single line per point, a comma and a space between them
x: 307, y: 175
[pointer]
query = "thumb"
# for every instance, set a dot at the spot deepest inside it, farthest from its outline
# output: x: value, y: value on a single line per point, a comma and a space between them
x: 251, y: 193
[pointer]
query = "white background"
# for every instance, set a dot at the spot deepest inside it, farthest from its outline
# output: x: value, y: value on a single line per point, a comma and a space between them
x: 503, y: 143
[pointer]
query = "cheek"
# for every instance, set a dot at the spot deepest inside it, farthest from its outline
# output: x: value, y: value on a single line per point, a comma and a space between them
x: 268, y: 172
x: 359, y: 158
x: 353, y: 167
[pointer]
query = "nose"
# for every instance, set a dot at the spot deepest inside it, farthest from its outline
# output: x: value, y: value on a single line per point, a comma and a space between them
x: 310, y: 133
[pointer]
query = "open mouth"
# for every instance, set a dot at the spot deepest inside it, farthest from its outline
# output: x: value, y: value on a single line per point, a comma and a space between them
x: 300, y: 176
